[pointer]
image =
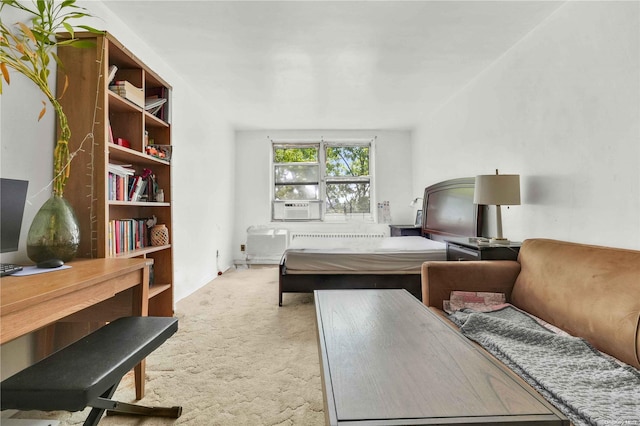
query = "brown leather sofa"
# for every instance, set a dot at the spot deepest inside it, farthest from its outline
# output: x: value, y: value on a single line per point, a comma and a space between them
x: 589, y: 291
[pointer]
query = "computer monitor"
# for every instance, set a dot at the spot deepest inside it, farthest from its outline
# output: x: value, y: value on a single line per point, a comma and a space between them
x: 13, y: 194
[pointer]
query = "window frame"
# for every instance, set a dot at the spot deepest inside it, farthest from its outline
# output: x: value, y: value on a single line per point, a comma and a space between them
x: 322, y: 145
x: 274, y: 165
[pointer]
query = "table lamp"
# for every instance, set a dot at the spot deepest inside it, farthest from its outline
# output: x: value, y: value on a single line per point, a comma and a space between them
x: 497, y: 190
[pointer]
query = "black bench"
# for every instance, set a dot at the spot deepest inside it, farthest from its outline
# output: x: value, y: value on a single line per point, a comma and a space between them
x: 87, y: 372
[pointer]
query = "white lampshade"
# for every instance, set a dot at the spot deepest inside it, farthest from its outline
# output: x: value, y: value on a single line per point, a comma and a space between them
x: 497, y: 190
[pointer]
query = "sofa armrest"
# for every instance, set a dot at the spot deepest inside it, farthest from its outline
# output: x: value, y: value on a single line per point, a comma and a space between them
x: 440, y: 278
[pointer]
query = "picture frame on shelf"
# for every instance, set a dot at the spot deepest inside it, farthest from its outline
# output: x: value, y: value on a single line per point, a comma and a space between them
x: 418, y: 218
x: 162, y: 152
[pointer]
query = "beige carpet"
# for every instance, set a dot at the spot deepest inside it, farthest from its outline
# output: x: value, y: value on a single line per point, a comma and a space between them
x: 237, y: 359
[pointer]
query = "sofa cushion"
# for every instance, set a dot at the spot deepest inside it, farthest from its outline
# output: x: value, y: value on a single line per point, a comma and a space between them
x: 589, y: 291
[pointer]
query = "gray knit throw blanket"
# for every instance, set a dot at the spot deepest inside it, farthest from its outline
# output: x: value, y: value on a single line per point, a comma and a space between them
x: 588, y: 387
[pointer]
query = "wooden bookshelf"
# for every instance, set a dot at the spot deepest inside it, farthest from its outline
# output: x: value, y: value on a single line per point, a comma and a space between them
x: 92, y: 108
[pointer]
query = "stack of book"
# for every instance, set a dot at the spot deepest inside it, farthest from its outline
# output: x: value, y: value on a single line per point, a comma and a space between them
x: 129, y: 91
x: 125, y: 185
x: 126, y: 235
x: 119, y: 181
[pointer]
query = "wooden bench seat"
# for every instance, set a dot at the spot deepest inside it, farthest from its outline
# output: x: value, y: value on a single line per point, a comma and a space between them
x: 87, y: 372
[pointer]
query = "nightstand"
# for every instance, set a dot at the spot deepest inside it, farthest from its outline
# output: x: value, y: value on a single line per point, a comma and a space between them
x: 466, y: 249
x: 405, y: 230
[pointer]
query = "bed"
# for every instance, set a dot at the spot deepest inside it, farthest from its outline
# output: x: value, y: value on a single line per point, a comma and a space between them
x: 353, y: 261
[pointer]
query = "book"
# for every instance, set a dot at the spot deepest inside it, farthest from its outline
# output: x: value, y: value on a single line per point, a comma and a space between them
x: 110, y: 134
x: 151, y: 192
x: 129, y: 92
x: 121, y: 169
x: 139, y: 190
x: 136, y: 182
x: 153, y: 103
x: 160, y: 111
x: 112, y: 73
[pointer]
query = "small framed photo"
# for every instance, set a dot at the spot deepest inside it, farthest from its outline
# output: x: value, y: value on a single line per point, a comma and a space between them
x: 163, y: 152
x: 418, y: 218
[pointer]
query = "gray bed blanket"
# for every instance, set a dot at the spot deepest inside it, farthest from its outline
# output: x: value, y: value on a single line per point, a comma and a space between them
x: 588, y: 387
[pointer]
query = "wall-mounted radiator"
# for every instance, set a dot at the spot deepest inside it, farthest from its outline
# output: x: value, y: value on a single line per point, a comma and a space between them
x: 326, y: 235
x: 265, y: 246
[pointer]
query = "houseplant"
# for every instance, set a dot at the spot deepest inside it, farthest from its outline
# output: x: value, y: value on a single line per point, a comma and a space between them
x: 30, y: 49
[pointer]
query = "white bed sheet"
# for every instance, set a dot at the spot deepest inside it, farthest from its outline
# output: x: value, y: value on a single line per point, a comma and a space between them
x: 386, y: 255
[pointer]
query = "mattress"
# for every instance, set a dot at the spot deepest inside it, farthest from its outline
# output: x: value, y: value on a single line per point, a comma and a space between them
x: 384, y: 255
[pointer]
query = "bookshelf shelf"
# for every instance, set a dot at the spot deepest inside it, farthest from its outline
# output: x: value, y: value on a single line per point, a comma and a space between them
x: 92, y: 107
x: 120, y: 104
x: 153, y: 121
x: 142, y: 252
x: 120, y: 153
x: 156, y: 289
x: 138, y: 203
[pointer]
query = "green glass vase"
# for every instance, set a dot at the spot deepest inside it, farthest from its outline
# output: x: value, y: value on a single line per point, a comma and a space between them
x: 54, y: 232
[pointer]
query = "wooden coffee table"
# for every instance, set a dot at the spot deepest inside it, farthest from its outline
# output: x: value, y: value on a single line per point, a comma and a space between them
x: 386, y: 359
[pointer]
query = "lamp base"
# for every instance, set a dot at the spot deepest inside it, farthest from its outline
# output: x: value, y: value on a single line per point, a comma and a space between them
x: 500, y: 241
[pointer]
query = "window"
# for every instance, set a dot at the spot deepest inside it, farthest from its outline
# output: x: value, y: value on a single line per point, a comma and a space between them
x: 330, y: 180
x: 296, y: 172
x: 347, y: 181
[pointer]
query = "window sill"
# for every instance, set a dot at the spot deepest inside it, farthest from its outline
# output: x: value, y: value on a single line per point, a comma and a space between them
x: 348, y: 219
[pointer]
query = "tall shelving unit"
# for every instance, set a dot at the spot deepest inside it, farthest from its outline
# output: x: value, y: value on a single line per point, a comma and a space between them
x: 93, y: 109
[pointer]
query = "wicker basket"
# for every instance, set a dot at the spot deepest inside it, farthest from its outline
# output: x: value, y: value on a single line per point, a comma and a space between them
x: 159, y: 235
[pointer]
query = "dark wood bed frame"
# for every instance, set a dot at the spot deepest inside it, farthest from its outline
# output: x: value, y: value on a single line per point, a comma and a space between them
x: 307, y: 283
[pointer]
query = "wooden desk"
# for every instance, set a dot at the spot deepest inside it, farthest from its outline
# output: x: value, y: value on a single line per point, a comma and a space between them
x: 387, y: 359
x: 91, y: 290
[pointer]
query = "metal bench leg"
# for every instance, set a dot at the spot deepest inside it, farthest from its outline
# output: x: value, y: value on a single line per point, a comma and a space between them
x: 116, y: 408
x: 96, y: 412
x: 105, y: 403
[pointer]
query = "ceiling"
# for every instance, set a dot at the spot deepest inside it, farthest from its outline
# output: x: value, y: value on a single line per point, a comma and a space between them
x: 330, y: 64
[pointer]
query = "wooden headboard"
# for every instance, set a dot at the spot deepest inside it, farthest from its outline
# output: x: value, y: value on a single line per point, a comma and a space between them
x: 448, y: 210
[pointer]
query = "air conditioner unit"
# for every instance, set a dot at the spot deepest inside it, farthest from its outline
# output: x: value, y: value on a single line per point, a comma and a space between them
x: 266, y: 245
x: 296, y: 210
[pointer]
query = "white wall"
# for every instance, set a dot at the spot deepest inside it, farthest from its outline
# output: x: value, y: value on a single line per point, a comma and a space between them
x: 26, y: 144
x: 26, y: 153
x: 562, y: 109
x: 253, y: 184
x: 203, y: 193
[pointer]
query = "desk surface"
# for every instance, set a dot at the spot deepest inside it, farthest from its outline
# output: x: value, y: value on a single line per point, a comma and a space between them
x: 30, y: 302
x: 387, y: 359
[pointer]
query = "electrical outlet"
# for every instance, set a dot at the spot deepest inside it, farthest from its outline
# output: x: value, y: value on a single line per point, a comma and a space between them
x: 242, y: 247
